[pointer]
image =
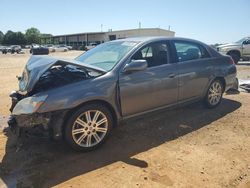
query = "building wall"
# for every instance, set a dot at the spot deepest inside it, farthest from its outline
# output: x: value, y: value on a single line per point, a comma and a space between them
x: 96, y: 37
x: 139, y: 33
x: 86, y: 38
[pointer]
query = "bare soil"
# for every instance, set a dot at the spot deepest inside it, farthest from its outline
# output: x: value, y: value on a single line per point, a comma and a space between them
x: 186, y: 147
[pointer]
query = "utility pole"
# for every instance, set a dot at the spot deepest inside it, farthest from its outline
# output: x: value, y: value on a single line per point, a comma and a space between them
x: 139, y: 25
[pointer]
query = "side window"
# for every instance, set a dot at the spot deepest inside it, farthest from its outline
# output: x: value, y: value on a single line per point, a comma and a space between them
x: 147, y: 52
x: 190, y: 51
x: 247, y: 42
x: 156, y: 54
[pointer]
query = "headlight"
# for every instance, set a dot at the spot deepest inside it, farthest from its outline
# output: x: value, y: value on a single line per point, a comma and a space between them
x: 24, y: 80
x: 222, y: 49
x: 29, y: 105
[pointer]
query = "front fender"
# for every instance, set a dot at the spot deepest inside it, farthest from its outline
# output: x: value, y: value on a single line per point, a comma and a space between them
x: 73, y: 95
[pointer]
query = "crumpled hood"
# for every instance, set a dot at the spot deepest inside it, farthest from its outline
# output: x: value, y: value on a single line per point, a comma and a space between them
x: 37, y: 65
x: 229, y: 45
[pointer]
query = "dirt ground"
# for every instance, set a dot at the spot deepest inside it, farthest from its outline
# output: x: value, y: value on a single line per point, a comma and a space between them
x: 186, y: 147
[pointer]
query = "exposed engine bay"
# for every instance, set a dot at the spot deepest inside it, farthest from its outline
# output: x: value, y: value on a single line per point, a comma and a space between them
x: 59, y: 75
x: 44, y: 73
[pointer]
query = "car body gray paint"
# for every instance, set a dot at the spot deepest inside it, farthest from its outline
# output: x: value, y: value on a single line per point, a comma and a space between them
x: 105, y: 87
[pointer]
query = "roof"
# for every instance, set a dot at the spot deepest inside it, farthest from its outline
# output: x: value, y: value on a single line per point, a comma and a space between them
x: 157, y: 38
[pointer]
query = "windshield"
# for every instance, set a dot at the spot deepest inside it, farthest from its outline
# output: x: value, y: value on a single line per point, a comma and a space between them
x: 106, y: 55
x: 240, y: 41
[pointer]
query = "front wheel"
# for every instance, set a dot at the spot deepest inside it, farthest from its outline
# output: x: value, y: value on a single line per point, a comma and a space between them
x: 88, y: 127
x: 214, y: 94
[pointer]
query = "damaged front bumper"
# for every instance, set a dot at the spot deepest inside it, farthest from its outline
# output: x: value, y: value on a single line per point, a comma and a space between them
x: 50, y: 122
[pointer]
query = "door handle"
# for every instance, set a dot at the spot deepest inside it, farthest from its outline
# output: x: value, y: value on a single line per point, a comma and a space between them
x: 171, y: 75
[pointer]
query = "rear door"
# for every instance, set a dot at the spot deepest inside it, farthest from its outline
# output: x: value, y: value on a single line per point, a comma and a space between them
x: 194, y: 69
x: 152, y: 88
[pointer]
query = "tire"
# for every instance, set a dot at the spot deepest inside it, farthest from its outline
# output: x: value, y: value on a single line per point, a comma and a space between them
x: 235, y: 57
x: 82, y: 131
x: 214, y: 94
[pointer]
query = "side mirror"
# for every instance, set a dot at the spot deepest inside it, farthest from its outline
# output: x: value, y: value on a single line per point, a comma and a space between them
x: 135, y: 65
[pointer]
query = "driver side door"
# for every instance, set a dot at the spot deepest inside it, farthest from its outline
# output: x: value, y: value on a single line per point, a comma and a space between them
x: 154, y: 87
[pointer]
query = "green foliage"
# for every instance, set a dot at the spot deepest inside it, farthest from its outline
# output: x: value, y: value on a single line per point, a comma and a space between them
x: 33, y: 35
x: 14, y: 38
x: 1, y: 37
x: 46, y: 38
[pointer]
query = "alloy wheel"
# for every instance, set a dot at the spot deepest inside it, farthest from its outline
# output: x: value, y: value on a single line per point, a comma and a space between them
x: 215, y: 93
x: 89, y: 128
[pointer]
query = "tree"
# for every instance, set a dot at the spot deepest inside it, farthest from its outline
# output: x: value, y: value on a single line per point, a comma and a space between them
x: 8, y: 37
x: 32, y: 35
x: 1, y: 37
x: 19, y: 38
x: 11, y: 38
x: 46, y: 38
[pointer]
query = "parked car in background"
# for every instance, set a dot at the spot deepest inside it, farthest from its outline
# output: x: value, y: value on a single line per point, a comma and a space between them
x: 15, y: 49
x: 237, y: 50
x: 59, y: 48
x: 90, y: 46
x: 3, y: 49
x: 11, y: 49
x: 27, y: 46
x: 35, y: 45
x: 51, y: 47
x: 81, y: 100
x: 39, y: 50
x: 66, y: 46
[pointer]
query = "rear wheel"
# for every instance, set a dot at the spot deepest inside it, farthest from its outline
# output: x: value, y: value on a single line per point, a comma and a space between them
x: 214, y: 94
x: 88, y: 127
x: 235, y: 56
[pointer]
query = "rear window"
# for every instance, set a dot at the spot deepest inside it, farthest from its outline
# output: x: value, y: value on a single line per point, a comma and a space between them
x: 187, y: 51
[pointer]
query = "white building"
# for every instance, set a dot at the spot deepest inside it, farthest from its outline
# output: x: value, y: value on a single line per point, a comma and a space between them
x: 83, y: 39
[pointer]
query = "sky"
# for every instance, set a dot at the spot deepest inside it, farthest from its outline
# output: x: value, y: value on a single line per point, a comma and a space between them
x: 210, y: 21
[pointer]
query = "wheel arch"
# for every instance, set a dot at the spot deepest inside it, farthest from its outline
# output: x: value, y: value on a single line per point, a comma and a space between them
x: 97, y: 101
x: 234, y: 51
x: 221, y: 78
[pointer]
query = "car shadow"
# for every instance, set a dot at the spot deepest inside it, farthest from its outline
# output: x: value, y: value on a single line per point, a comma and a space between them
x: 37, y: 162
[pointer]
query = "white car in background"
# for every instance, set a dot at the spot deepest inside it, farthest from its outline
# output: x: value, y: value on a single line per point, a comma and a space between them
x: 90, y: 46
x: 51, y: 47
x: 237, y: 50
x: 66, y: 46
x: 59, y: 48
